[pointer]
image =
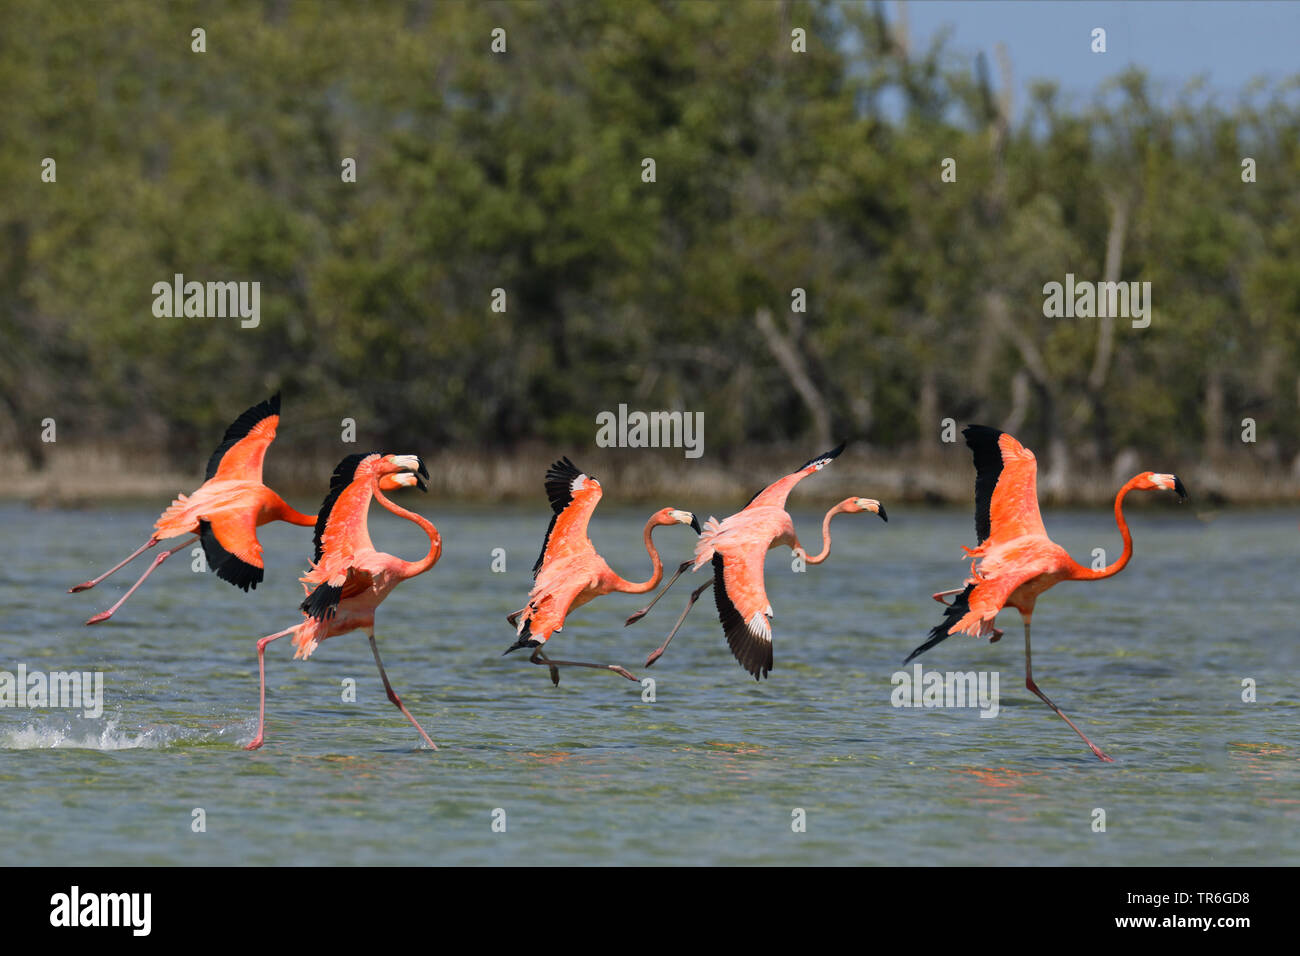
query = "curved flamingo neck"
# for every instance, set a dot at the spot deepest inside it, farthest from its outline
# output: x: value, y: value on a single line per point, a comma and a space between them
x: 1081, y: 573
x: 826, y: 535
x: 657, y: 565
x: 409, y: 569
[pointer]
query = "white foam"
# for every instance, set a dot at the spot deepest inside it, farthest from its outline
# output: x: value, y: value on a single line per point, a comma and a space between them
x: 93, y: 735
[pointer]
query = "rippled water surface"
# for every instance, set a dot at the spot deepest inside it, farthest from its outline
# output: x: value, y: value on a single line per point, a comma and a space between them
x: 1150, y: 664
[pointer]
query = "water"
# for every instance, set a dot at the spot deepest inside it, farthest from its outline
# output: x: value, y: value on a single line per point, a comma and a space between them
x: 1150, y: 665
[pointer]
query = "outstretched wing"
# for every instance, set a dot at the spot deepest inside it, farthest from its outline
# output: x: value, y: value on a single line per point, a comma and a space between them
x: 230, y: 544
x: 341, y: 534
x: 573, y: 496
x: 240, y: 454
x: 1006, y: 486
x: 774, y: 495
x: 743, y: 608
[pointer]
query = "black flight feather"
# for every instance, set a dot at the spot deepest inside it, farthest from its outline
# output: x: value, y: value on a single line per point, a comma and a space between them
x: 244, y: 424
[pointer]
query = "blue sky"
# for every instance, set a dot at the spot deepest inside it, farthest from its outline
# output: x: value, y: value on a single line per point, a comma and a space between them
x: 1229, y: 42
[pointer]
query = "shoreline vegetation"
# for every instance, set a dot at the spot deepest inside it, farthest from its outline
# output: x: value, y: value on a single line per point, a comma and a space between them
x: 84, y: 476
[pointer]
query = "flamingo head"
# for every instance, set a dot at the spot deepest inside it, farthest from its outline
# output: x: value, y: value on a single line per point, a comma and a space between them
x: 854, y: 505
x: 674, y: 516
x: 401, y: 471
x: 1151, y: 481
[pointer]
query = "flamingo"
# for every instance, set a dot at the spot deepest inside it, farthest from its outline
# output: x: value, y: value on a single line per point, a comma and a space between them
x: 348, y: 577
x: 225, y: 512
x: 736, y: 547
x: 569, y: 572
x: 1015, y: 561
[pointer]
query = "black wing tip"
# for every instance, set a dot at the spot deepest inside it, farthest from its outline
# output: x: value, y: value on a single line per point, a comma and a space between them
x: 981, y: 433
x: 559, y: 483
x: 322, y: 603
x: 951, y: 615
x: 525, y: 641
x: 825, y: 457
x: 227, y: 566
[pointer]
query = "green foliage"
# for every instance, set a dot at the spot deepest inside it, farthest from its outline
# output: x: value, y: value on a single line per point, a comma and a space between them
x: 522, y: 171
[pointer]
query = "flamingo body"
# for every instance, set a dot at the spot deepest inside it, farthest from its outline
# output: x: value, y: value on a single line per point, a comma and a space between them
x: 349, y: 578
x: 1014, y: 560
x: 569, y: 572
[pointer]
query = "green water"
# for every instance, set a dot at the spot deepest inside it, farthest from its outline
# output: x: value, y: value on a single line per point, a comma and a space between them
x: 1150, y: 664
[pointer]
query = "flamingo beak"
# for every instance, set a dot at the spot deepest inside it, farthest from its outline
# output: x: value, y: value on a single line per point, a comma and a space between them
x: 685, y: 517
x: 880, y: 510
x: 1179, y: 489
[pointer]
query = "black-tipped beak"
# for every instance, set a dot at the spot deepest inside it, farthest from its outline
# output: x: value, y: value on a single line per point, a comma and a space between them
x: 1179, y: 489
x: 424, y: 472
x: 419, y: 483
x: 695, y: 524
x: 881, y: 512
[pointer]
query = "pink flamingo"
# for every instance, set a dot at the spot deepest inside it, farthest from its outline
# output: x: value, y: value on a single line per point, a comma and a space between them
x: 351, y: 578
x: 736, y: 547
x: 224, y: 512
x: 1015, y: 561
x: 569, y: 572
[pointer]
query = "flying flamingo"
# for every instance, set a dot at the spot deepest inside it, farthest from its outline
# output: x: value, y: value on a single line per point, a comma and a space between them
x: 736, y: 547
x: 350, y: 577
x: 569, y: 572
x: 226, y: 510
x: 1015, y: 561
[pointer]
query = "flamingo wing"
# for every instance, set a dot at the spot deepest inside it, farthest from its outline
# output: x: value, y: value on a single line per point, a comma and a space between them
x: 743, y: 608
x: 342, y: 538
x: 229, y: 539
x: 573, y: 496
x: 775, y: 494
x: 240, y: 454
x: 1006, y: 486
x: 974, y: 610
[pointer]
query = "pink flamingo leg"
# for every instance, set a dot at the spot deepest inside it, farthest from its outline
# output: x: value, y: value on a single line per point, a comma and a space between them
x: 392, y: 694
x: 540, y: 658
x: 87, y: 585
x: 163, y: 556
x: 695, y: 596
x: 662, y: 591
x: 261, y: 679
x: 1029, y: 684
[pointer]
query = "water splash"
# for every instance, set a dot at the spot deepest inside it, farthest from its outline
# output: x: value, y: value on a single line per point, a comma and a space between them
x: 103, y: 734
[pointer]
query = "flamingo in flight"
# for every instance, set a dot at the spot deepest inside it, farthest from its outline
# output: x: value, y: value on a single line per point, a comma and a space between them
x: 225, y: 512
x: 348, y: 577
x: 569, y: 572
x: 736, y: 547
x: 1015, y: 561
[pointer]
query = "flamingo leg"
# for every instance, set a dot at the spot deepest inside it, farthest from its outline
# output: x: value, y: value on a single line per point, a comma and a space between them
x: 103, y: 616
x: 87, y: 585
x: 1029, y: 684
x: 695, y: 596
x: 261, y: 680
x: 940, y: 595
x: 662, y: 591
x: 540, y: 658
x: 392, y: 694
